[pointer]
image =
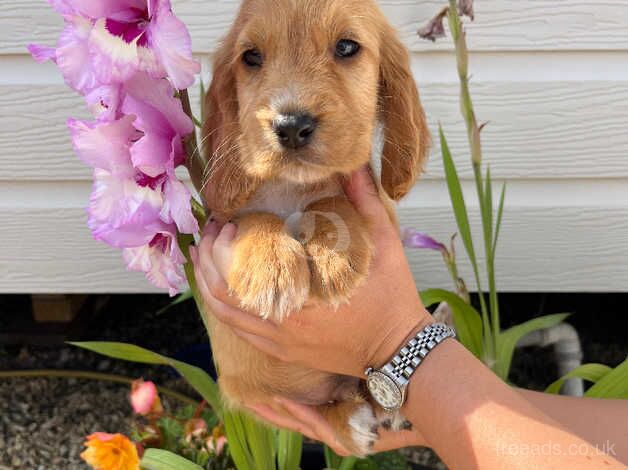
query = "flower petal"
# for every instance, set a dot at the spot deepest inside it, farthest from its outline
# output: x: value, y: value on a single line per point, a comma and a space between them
x: 123, y: 213
x: 41, y: 53
x: 112, y: 57
x: 161, y: 260
x: 73, y: 56
x: 142, y: 91
x: 414, y: 239
x: 128, y: 9
x: 177, y: 206
x: 151, y: 154
x: 171, y: 41
x: 104, y: 102
x: 105, y: 145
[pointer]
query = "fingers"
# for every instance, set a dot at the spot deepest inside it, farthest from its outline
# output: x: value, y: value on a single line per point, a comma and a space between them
x: 282, y: 420
x: 362, y: 192
x: 222, y: 252
x: 303, y: 419
x: 214, y: 245
x: 313, y: 420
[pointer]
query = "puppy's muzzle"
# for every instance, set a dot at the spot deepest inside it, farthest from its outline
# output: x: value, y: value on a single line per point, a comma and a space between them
x: 294, y: 130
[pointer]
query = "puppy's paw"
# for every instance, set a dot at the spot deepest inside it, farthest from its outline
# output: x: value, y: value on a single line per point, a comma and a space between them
x: 363, y: 425
x: 393, y: 421
x: 339, y: 252
x: 270, y: 273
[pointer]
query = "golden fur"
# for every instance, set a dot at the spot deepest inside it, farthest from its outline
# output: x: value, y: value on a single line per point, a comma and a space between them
x: 299, y: 239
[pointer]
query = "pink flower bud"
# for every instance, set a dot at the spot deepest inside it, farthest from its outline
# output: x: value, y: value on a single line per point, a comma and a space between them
x: 144, y: 398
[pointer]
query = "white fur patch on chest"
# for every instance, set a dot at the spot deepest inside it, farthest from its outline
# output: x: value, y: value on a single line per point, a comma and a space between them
x: 285, y: 199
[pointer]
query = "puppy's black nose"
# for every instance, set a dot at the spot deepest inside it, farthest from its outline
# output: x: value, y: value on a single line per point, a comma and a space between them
x: 294, y: 130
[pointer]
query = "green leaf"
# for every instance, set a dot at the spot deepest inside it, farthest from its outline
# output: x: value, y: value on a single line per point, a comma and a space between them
x: 500, y: 213
x: 289, y: 448
x: 187, y: 295
x: 487, y: 210
x: 612, y: 385
x: 466, y: 319
x: 237, y: 438
x: 348, y: 463
x: 508, y: 339
x: 457, y: 199
x: 332, y: 460
x: 158, y: 459
x: 590, y: 372
x: 196, y: 377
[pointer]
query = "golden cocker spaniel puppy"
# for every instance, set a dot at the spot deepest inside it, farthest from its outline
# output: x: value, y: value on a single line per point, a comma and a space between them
x: 305, y: 92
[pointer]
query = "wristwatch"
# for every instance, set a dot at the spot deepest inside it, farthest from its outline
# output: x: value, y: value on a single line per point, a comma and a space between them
x: 388, y: 385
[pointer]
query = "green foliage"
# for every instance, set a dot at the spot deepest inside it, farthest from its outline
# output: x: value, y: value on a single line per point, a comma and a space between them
x: 589, y: 372
x: 507, y: 340
x: 607, y: 383
x: 196, y: 377
x: 157, y: 459
x: 183, y: 297
x: 466, y: 319
x: 480, y: 332
x: 289, y: 449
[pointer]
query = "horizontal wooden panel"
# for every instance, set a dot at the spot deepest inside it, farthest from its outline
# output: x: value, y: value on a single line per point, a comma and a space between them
x: 536, y: 130
x: 500, y: 24
x: 562, y: 249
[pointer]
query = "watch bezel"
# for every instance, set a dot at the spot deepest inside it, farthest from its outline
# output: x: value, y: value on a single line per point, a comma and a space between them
x: 401, y: 391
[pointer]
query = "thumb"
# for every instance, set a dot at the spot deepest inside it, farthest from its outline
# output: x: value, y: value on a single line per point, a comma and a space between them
x: 364, y: 195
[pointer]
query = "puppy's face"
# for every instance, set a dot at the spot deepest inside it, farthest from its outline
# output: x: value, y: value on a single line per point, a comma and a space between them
x: 298, y: 88
x: 306, y: 77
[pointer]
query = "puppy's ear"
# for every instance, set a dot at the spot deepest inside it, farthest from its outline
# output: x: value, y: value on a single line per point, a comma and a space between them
x: 226, y: 186
x: 407, y: 138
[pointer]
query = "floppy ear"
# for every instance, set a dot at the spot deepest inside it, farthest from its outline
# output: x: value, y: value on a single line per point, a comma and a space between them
x: 226, y: 186
x: 407, y: 138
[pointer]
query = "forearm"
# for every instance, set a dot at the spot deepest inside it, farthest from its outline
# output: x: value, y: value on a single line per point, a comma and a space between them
x: 473, y: 420
x: 604, y: 423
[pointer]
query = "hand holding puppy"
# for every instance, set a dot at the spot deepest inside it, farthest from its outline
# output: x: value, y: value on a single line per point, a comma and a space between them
x: 367, y: 332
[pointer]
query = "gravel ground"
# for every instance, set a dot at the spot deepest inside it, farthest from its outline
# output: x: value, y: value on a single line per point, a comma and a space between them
x: 43, y: 421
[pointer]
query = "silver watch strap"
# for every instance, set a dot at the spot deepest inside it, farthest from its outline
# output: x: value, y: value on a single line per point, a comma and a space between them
x: 403, y: 365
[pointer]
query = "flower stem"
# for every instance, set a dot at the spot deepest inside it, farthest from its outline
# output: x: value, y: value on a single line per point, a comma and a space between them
x: 78, y: 374
x: 195, y: 161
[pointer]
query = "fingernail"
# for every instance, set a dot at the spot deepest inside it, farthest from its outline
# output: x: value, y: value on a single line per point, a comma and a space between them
x: 229, y: 231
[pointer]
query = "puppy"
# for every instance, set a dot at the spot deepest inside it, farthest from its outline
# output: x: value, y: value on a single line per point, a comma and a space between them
x: 303, y: 91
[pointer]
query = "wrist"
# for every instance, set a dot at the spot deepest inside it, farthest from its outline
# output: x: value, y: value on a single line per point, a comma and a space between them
x: 397, y: 335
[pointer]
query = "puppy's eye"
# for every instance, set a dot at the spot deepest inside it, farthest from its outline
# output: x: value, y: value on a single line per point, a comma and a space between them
x: 347, y: 48
x: 253, y: 58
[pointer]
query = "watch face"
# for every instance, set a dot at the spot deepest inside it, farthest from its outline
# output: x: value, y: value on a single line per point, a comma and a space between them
x: 384, y: 390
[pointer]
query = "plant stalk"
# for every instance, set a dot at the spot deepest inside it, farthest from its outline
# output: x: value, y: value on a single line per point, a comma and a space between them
x: 77, y: 374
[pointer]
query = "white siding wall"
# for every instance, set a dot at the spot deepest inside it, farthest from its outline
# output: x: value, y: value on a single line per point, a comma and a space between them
x: 551, y: 76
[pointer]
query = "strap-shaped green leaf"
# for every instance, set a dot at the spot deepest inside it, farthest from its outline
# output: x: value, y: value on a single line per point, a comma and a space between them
x: 289, y: 449
x: 196, y: 377
x: 590, y: 372
x: 508, y: 339
x: 158, y: 459
x: 457, y: 199
x: 466, y: 319
x: 612, y: 385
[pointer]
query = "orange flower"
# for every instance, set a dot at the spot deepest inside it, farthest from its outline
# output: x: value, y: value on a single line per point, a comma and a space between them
x: 110, y: 452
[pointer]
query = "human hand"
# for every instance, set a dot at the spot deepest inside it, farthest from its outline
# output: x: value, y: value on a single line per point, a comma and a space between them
x: 381, y: 315
x: 308, y: 421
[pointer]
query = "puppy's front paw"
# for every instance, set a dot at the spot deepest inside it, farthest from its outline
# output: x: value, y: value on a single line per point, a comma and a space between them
x: 269, y: 274
x: 339, y: 251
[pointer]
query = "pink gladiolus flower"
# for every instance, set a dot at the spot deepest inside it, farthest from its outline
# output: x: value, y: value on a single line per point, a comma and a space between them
x: 414, y: 239
x: 144, y: 398
x: 161, y: 260
x: 118, y: 38
x: 127, y: 58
